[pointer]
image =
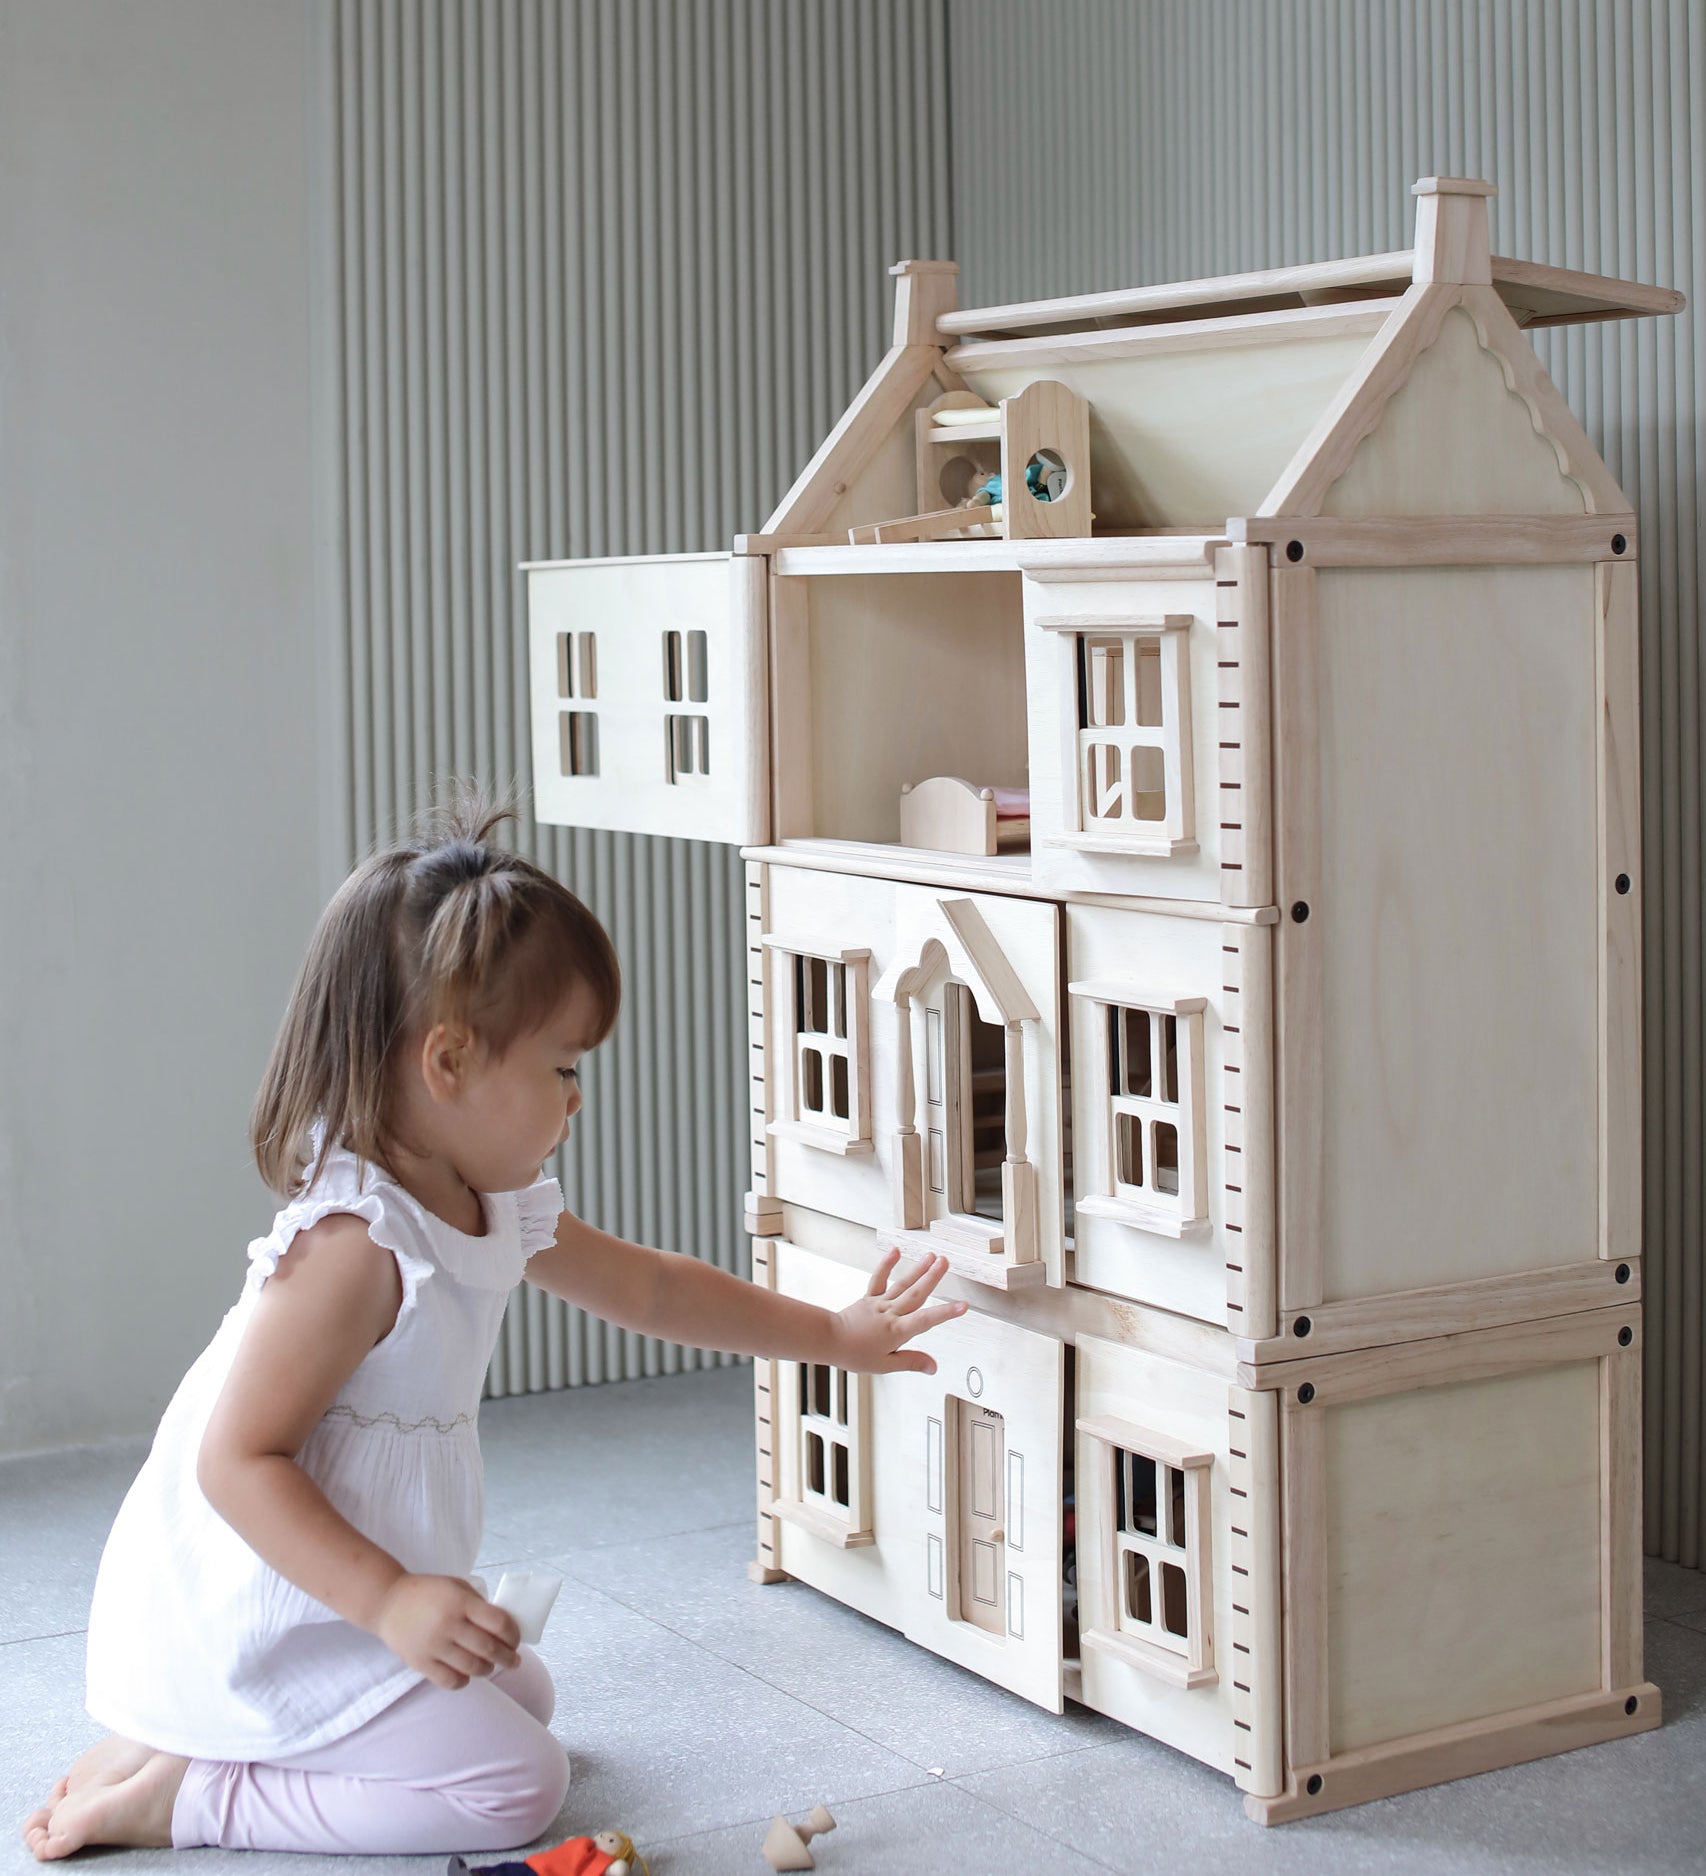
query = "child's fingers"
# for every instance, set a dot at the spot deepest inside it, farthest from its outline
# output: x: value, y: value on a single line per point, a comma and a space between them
x: 922, y: 1321
x: 491, y: 1648
x: 466, y: 1661
x: 917, y: 1284
x: 880, y: 1276
x: 495, y: 1621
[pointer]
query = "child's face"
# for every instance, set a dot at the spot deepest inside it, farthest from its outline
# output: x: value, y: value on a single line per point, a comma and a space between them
x: 509, y: 1113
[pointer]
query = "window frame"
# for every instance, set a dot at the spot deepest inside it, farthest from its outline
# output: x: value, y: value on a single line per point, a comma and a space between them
x: 786, y: 1041
x: 1175, y: 831
x: 796, y: 1502
x: 1185, y: 1661
x: 577, y: 703
x: 1146, y: 1206
x: 686, y: 697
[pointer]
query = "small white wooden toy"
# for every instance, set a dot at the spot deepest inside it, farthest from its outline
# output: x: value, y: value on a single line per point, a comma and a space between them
x: 785, y: 1843
x: 528, y: 1596
x: 1273, y: 1084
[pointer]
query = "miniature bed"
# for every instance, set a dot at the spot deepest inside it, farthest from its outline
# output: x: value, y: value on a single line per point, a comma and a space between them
x: 1276, y: 1099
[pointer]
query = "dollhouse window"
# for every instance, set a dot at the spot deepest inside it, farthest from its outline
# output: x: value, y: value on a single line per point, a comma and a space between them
x: 1132, y: 747
x: 1145, y: 1075
x: 686, y: 680
x: 1152, y: 1597
x: 577, y: 682
x: 821, y: 1047
x: 825, y: 1477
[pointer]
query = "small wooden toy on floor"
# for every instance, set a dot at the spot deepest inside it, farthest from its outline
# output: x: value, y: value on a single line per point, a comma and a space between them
x: 785, y: 1845
x: 608, y: 1853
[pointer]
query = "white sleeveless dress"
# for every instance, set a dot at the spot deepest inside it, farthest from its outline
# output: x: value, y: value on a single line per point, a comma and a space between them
x: 198, y: 1647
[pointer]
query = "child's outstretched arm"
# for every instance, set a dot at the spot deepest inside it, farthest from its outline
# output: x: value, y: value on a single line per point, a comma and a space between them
x: 333, y: 1296
x: 680, y: 1299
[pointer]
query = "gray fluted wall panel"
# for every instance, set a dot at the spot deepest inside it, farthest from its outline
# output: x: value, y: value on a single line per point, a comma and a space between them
x: 1101, y: 143
x: 598, y: 277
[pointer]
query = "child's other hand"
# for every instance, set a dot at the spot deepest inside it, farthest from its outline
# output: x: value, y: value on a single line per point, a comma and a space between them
x: 445, y: 1629
x: 873, y: 1331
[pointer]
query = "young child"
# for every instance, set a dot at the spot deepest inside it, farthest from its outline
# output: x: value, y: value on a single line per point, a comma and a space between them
x: 283, y: 1639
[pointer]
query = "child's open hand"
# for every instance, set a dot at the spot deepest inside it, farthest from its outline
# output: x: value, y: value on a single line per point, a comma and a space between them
x: 872, y: 1332
x: 445, y: 1629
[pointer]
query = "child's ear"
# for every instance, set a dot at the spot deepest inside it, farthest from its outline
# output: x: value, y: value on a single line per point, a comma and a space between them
x: 446, y: 1054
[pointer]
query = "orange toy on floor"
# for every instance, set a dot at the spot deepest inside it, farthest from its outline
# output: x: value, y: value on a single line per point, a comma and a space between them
x: 609, y: 1853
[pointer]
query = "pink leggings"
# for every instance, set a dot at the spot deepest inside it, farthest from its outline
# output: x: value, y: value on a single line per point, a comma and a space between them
x: 476, y: 1769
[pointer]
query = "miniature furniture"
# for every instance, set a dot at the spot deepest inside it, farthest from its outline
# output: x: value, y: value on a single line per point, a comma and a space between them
x: 1277, y: 1105
x: 955, y: 817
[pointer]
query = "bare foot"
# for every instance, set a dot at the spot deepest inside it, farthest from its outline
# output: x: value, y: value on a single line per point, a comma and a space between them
x: 111, y: 1796
x: 105, y: 1763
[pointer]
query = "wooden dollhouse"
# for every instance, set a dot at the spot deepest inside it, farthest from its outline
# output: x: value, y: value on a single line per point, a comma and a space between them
x: 1184, y: 747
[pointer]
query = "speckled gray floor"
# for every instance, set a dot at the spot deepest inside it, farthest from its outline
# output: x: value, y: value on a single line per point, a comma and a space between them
x: 694, y: 1704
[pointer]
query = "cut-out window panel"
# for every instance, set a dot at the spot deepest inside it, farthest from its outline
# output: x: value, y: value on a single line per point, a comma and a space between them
x: 578, y: 731
x: 685, y: 667
x: 686, y: 680
x: 687, y: 747
x: 1153, y: 1597
x: 1130, y: 756
x: 825, y: 1482
x: 577, y: 665
x: 1146, y: 1080
x: 821, y: 1036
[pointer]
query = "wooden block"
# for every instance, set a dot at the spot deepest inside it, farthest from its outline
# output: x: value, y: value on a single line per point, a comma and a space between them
x: 763, y: 1217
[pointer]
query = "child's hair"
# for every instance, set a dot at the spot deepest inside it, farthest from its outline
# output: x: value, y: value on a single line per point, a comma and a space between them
x: 443, y: 929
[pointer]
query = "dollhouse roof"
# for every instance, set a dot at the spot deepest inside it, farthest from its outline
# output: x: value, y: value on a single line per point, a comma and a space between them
x: 1391, y: 384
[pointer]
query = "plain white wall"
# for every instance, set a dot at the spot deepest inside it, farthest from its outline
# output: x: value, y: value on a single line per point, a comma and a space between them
x: 160, y: 719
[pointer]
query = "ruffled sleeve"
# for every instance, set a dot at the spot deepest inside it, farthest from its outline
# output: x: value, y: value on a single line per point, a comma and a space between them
x: 538, y: 1207
x: 383, y: 1226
